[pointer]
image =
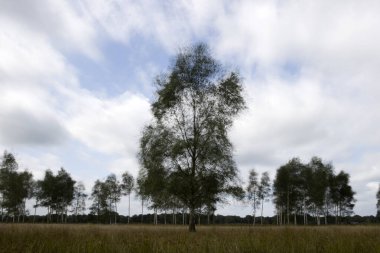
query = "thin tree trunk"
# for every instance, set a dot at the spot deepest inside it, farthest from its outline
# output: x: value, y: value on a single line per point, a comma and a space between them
x: 142, y: 210
x: 287, y: 207
x: 115, y: 212
x: 277, y: 217
x: 192, y: 220
x: 262, y: 210
x: 129, y: 207
x: 35, y: 211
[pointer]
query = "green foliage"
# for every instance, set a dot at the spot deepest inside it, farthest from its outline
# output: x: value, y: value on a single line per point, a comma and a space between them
x: 15, y: 187
x: 127, y: 183
x: 79, y: 199
x: 253, y: 191
x: 185, y: 153
x: 56, y: 192
x: 313, y: 189
x: 105, y: 196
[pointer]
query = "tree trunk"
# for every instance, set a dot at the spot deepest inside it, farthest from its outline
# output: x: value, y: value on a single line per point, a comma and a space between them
x: 192, y: 220
x: 287, y: 207
x: 129, y: 207
x: 35, y: 211
x: 142, y: 210
x: 262, y: 210
x: 115, y: 212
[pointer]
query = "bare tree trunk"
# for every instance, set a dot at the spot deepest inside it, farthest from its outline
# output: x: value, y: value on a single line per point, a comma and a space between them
x: 254, y: 217
x: 287, y: 207
x: 142, y: 210
x: 295, y: 218
x: 129, y: 207
x: 155, y: 216
x: 262, y: 209
x: 165, y: 216
x: 115, y: 212
x: 192, y: 220
x: 277, y: 217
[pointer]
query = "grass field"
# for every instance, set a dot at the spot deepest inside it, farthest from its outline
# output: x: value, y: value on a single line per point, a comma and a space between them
x: 135, y: 238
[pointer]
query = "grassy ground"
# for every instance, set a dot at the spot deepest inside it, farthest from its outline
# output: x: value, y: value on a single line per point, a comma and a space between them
x: 134, y: 238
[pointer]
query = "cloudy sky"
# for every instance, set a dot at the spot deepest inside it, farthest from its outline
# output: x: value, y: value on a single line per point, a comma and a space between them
x: 76, y: 82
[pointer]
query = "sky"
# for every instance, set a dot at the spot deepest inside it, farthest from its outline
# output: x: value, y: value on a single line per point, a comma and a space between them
x: 77, y: 81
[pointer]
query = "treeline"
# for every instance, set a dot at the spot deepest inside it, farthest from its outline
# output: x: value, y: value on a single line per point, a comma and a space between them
x: 58, y: 193
x: 309, y: 193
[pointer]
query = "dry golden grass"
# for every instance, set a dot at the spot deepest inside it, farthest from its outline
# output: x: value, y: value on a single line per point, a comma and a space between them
x: 136, y: 238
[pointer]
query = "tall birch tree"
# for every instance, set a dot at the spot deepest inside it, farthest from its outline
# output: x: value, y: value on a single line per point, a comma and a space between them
x: 196, y: 103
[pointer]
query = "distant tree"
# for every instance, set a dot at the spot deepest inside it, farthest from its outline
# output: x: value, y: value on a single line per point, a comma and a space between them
x: 35, y: 193
x: 253, y: 191
x: 141, y: 189
x: 78, y: 205
x: 263, y: 191
x: 378, y: 202
x: 196, y: 103
x: 342, y: 195
x: 287, y: 190
x: 127, y: 187
x: 99, y: 200
x: 318, y: 187
x: 113, y: 188
x: 15, y: 187
x: 56, y: 192
x: 105, y: 196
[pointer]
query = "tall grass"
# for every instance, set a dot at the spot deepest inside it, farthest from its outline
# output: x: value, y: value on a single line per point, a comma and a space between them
x: 134, y: 238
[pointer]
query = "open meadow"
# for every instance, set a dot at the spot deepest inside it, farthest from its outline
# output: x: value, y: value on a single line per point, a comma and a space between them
x: 139, y: 238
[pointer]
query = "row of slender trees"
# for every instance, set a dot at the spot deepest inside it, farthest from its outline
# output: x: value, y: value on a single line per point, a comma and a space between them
x: 298, y: 190
x: 311, y: 189
x: 59, y: 193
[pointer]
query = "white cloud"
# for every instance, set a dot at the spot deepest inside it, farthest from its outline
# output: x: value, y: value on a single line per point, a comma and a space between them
x: 109, y: 125
x: 67, y: 25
